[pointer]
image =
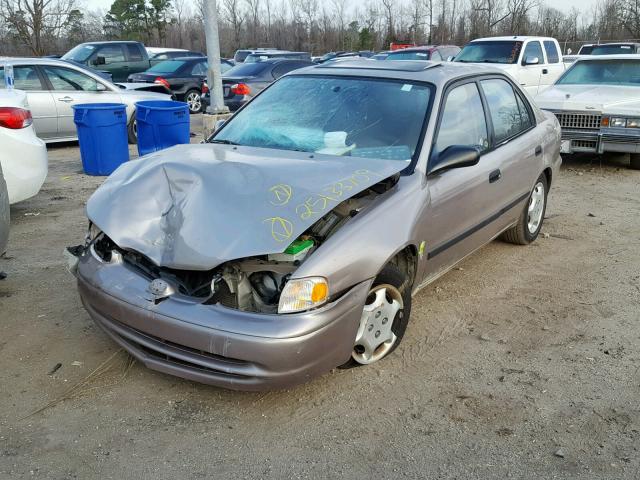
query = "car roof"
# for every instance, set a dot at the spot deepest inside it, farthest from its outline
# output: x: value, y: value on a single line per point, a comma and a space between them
x: 37, y: 60
x: 102, y: 42
x: 520, y: 38
x: 609, y: 44
x: 438, y: 73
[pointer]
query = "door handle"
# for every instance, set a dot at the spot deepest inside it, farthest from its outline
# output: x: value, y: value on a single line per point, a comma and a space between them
x: 538, y: 151
x: 65, y: 99
x: 495, y: 176
x: 545, y: 71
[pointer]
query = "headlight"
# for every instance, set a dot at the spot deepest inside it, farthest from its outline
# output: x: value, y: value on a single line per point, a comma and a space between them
x: 618, y: 122
x: 633, y: 122
x: 301, y: 294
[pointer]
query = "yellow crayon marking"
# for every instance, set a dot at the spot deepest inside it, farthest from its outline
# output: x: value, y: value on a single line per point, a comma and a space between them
x: 281, y: 228
x: 281, y: 194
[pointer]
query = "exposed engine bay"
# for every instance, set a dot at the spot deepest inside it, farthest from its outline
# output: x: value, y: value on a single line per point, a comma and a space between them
x: 251, y: 284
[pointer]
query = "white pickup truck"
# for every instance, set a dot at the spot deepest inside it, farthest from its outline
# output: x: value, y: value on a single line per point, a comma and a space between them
x: 534, y: 62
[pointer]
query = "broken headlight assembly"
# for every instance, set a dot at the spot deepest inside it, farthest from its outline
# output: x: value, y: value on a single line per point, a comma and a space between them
x: 302, y: 294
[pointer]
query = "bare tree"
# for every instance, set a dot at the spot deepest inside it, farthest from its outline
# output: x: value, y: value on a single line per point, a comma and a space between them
x: 34, y: 22
x: 235, y: 17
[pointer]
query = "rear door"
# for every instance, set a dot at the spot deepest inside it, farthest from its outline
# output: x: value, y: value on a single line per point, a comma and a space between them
x: 530, y: 74
x: 71, y: 87
x: 136, y: 58
x: 41, y: 103
x: 553, y: 68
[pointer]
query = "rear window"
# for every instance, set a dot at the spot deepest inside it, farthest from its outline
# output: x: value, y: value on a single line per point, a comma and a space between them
x: 169, y: 66
x: 612, y: 49
x: 247, y: 70
x: 241, y: 55
x: 411, y: 55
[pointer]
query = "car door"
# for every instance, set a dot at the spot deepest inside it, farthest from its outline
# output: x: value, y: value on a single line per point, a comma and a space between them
x: 41, y: 103
x: 462, y: 200
x: 136, y: 59
x: 115, y: 61
x: 530, y: 73
x: 553, y: 67
x: 71, y: 87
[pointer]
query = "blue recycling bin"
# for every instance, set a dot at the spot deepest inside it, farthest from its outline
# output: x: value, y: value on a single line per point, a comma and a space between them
x: 102, y: 133
x: 161, y: 124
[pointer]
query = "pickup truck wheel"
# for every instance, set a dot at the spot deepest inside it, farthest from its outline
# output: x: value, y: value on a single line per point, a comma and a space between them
x: 132, y: 131
x: 532, y: 216
x: 384, y: 318
x: 194, y: 100
x: 634, y: 163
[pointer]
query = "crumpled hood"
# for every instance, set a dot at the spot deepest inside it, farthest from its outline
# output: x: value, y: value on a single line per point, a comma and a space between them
x: 598, y: 98
x: 194, y: 207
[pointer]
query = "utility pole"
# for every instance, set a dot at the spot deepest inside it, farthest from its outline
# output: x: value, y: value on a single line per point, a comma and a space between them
x: 216, y: 105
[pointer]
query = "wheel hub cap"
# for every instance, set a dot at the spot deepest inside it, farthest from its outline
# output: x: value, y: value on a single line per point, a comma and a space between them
x: 193, y: 100
x: 536, y: 207
x: 375, y: 337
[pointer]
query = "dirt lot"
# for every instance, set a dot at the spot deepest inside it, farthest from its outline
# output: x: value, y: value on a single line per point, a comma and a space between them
x: 522, y: 363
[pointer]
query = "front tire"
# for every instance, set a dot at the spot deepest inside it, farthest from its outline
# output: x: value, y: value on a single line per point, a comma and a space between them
x: 194, y: 100
x: 530, y: 221
x: 634, y: 161
x: 385, y: 317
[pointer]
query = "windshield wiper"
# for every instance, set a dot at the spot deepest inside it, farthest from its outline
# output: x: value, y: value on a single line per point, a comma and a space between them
x: 223, y: 142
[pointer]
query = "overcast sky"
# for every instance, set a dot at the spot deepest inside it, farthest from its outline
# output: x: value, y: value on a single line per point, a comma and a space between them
x: 565, y: 5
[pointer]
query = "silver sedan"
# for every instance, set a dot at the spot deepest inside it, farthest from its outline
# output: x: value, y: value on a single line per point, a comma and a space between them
x: 54, y: 86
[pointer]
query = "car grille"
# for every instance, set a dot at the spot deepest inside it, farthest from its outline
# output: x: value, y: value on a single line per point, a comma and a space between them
x: 587, y: 144
x: 580, y: 121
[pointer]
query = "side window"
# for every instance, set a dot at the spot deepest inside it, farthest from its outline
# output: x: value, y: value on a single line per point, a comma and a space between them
x: 526, y: 118
x: 135, y: 55
x: 25, y: 77
x: 435, y: 55
x: 199, y: 69
x: 504, y: 110
x: 533, y: 50
x: 111, y: 54
x: 67, y: 79
x: 552, y: 51
x: 463, y: 121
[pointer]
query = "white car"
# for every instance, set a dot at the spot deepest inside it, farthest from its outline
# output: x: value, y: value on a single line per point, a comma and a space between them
x: 597, y: 102
x: 534, y: 62
x: 53, y: 87
x: 23, y: 155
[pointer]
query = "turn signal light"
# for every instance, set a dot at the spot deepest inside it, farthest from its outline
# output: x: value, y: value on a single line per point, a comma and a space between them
x: 240, y: 89
x: 162, y: 81
x: 604, y: 122
x: 15, y: 118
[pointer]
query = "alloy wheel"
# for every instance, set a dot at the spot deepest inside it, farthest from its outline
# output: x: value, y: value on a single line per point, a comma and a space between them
x: 194, y: 101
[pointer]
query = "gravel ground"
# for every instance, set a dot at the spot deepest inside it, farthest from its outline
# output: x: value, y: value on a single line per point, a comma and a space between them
x: 521, y: 363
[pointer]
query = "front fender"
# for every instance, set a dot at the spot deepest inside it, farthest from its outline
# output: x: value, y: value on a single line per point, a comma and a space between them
x: 360, y: 249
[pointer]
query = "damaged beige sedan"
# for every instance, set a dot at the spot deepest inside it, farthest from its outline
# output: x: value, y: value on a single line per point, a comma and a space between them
x: 291, y: 242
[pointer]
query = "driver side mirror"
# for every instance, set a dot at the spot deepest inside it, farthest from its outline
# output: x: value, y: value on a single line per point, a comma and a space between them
x: 454, y: 156
x: 100, y: 87
x: 99, y: 60
x: 531, y: 60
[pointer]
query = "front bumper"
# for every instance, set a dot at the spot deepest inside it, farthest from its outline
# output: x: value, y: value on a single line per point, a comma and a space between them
x: 600, y: 141
x: 214, y: 344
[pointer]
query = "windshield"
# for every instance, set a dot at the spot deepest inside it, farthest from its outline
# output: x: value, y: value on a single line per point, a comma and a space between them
x: 168, y: 66
x: 346, y: 116
x: 490, y: 52
x: 80, y: 53
x: 257, y: 57
x: 411, y: 55
x: 246, y: 70
x: 603, y: 72
x: 612, y: 49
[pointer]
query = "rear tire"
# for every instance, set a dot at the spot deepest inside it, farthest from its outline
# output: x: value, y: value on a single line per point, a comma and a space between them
x: 530, y: 221
x: 132, y: 131
x: 395, y: 286
x: 634, y: 161
x: 194, y: 99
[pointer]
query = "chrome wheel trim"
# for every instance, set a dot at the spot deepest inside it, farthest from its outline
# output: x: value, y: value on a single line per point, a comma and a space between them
x: 194, y: 101
x: 536, y: 208
x: 375, y: 337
